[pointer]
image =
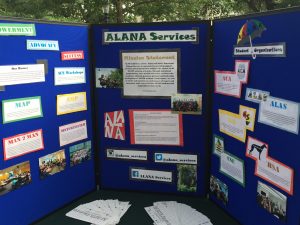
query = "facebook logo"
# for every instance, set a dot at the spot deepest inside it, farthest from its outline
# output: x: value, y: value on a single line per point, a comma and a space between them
x: 135, y: 173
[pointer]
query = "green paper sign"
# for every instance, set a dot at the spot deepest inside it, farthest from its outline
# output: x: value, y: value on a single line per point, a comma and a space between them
x: 17, y: 29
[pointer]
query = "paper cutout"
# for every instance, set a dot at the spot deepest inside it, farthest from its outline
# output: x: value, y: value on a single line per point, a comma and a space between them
x: 114, y: 125
x: 227, y: 83
x: 17, y: 29
x: 22, y: 74
x: 233, y: 167
x: 218, y: 145
x: 248, y: 115
x: 255, y: 95
x: 151, y: 175
x: 155, y: 127
x: 22, y: 109
x: 280, y: 113
x: 218, y: 189
x: 232, y: 124
x: 42, y: 45
x: 72, y: 132
x: 242, y: 68
x: 22, y: 144
x: 72, y: 55
x: 69, y: 75
x: 70, y: 103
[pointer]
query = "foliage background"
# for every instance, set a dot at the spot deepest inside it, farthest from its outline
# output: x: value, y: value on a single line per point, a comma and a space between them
x: 122, y: 11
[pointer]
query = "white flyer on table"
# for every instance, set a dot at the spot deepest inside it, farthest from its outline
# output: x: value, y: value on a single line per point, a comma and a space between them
x: 22, y: 74
x: 228, y: 83
x: 22, y: 144
x: 156, y: 127
x: 150, y: 73
x: 72, y: 132
x: 21, y: 109
x: 280, y: 113
x: 69, y: 75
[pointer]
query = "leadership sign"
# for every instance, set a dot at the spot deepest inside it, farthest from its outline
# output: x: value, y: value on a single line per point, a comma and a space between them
x: 151, y: 36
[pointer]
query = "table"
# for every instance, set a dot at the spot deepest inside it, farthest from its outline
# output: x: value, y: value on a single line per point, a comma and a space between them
x: 136, y: 215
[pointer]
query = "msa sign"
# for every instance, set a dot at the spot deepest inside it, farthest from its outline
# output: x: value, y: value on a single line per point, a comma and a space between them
x: 151, y: 36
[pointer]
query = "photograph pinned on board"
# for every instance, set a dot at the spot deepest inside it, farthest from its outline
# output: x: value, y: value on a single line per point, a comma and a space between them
x: 218, y: 145
x: 218, y: 189
x: 109, y: 78
x: 187, y: 103
x: 255, y: 95
x: 187, y: 178
x: 80, y: 153
x: 52, y: 163
x: 14, y: 177
x: 248, y: 115
x: 271, y: 200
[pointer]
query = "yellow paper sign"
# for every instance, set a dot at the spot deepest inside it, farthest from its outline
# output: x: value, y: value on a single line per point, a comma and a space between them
x: 69, y: 103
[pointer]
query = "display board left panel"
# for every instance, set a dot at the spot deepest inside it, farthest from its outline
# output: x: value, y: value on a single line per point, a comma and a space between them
x: 46, y: 155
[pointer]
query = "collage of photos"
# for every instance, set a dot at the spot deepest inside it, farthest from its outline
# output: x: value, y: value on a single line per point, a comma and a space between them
x: 52, y: 163
x: 218, y: 189
x: 272, y: 201
x: 109, y: 78
x: 80, y: 153
x: 187, y: 178
x: 14, y: 177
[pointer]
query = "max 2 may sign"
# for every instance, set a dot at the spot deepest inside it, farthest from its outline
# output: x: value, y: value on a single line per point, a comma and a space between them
x: 151, y: 36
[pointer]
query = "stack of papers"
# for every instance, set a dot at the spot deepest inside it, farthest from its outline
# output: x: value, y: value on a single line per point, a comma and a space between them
x: 174, y: 213
x: 100, y: 212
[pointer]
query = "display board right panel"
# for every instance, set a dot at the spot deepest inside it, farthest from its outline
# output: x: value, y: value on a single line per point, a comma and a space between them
x: 255, y: 160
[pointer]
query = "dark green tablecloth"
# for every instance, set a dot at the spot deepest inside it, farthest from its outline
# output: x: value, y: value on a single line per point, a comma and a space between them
x: 136, y: 215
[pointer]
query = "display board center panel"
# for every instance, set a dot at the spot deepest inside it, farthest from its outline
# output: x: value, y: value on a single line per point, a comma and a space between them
x: 151, y: 105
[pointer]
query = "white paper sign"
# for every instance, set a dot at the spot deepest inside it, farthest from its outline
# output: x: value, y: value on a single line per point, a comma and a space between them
x: 155, y: 127
x: 271, y: 50
x: 280, y: 113
x: 150, y: 73
x: 21, y: 74
x: 233, y: 167
x: 42, y: 45
x: 72, y: 132
x: 126, y: 154
x: 276, y: 173
x: 227, y: 83
x: 151, y: 36
x: 151, y: 175
x: 21, y: 109
x: 22, y: 144
x: 69, y: 75
x: 175, y: 158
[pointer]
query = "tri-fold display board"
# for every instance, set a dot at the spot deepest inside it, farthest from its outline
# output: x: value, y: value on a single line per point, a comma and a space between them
x: 156, y: 91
